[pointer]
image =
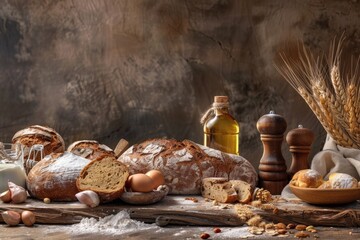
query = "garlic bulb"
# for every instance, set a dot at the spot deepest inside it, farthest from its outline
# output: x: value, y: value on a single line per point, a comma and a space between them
x: 5, y: 196
x: 12, y: 218
x: 88, y: 197
x: 18, y: 194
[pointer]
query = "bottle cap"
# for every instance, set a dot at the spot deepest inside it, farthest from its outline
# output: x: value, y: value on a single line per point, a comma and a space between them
x: 221, y: 99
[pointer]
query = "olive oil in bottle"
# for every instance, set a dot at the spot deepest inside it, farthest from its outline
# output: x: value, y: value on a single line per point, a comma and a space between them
x: 222, y: 131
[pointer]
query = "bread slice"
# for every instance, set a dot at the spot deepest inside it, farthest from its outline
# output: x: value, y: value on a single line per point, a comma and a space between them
x: 219, y: 189
x: 243, y: 190
x: 106, y: 176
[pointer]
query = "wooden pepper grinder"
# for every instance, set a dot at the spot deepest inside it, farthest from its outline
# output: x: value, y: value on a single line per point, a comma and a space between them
x: 272, y: 168
x: 300, y: 140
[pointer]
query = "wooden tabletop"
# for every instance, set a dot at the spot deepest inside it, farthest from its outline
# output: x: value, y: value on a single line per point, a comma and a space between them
x: 40, y: 231
x: 180, y: 217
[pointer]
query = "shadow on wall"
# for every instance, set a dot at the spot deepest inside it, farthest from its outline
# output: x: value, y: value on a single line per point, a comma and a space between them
x: 107, y: 70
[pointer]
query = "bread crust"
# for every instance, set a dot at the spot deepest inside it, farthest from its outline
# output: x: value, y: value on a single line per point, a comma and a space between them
x: 90, y: 149
x: 55, y: 177
x: 184, y: 164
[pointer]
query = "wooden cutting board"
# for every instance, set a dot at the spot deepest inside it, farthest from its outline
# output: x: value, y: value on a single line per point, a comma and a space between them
x: 179, y: 211
x: 171, y: 210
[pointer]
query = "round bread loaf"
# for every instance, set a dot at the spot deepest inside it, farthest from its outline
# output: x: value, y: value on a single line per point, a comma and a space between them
x: 36, y: 134
x: 106, y: 176
x: 307, y: 178
x: 340, y: 181
x: 90, y: 149
x: 184, y: 164
x: 55, y: 177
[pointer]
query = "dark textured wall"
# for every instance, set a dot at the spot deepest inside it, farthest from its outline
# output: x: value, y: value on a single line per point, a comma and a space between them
x: 135, y: 69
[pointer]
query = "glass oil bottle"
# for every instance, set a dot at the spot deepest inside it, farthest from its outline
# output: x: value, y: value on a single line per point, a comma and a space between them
x: 222, y: 131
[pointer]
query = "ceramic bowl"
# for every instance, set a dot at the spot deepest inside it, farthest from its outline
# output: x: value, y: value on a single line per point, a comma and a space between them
x: 326, y: 196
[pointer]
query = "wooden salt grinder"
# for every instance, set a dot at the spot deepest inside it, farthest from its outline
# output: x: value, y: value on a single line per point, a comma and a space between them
x: 272, y: 168
x: 299, y: 140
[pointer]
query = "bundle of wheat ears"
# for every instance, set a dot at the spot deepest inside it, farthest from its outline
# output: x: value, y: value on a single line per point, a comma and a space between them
x: 330, y: 86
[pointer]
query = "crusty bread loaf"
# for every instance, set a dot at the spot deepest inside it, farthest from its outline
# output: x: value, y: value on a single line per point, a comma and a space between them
x: 307, y: 178
x: 243, y: 190
x: 339, y: 181
x: 36, y: 134
x: 184, y: 164
x: 55, y: 177
x: 219, y: 189
x: 90, y: 149
x: 51, y: 141
x: 106, y: 176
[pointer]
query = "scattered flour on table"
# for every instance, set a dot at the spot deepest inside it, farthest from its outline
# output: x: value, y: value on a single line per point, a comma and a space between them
x: 113, y: 224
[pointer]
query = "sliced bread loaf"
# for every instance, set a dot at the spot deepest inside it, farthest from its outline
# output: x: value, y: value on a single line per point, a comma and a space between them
x: 243, y: 190
x: 219, y: 189
x: 225, y: 191
x: 106, y: 176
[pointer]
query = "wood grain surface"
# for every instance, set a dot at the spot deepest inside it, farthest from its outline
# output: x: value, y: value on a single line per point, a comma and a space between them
x: 176, y: 210
x: 172, y: 210
x: 109, y: 69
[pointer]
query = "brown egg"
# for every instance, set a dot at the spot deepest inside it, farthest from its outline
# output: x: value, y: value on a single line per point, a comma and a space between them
x: 157, y: 177
x: 140, y: 183
x: 28, y: 218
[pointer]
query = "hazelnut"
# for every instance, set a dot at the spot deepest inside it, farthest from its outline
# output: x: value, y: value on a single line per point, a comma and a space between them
x: 282, y: 231
x: 300, y: 227
x: 47, y: 200
x: 5, y: 196
x: 12, y: 218
x: 302, y: 234
x: 280, y: 226
x: 217, y: 230
x: 290, y: 226
x: 28, y: 218
x: 204, y: 236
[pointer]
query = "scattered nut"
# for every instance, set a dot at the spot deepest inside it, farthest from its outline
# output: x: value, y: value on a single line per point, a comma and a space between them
x: 217, y: 230
x: 215, y: 203
x: 28, y: 218
x: 47, y: 200
x: 12, y: 218
x: 18, y: 193
x: 313, y: 231
x: 280, y: 226
x: 5, y: 196
x: 192, y: 199
x: 88, y: 197
x: 290, y: 226
x: 204, y: 236
x: 309, y: 228
x: 300, y: 227
x: 302, y: 234
x: 282, y: 231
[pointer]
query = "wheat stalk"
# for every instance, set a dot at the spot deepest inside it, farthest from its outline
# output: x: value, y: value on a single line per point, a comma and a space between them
x: 333, y: 98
